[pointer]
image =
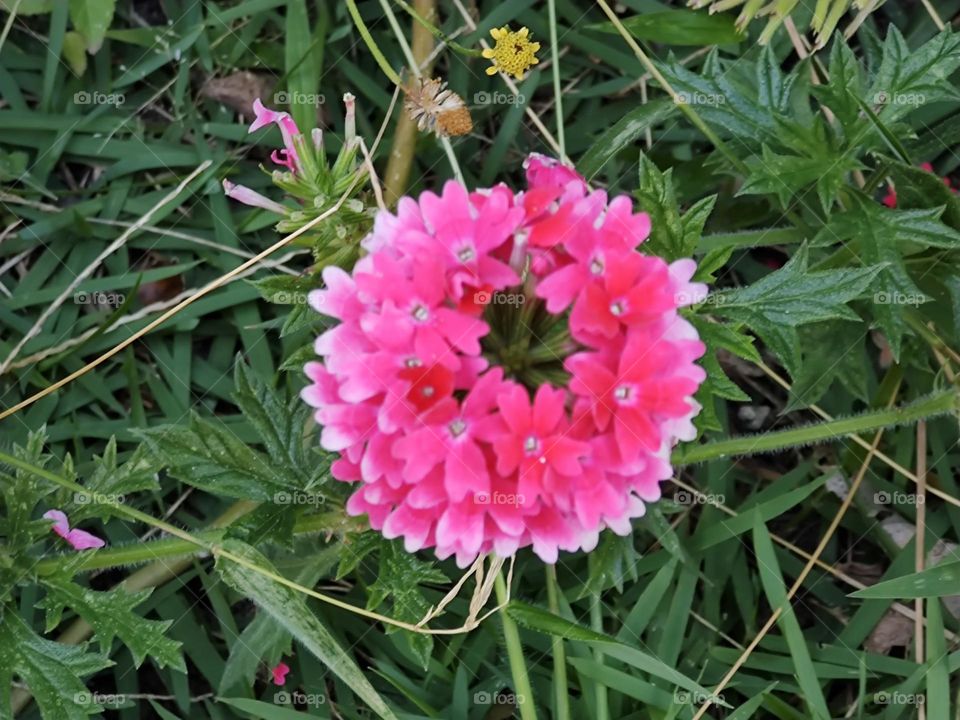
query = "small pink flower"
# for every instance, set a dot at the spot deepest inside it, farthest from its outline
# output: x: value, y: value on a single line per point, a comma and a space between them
x: 288, y: 130
x: 280, y: 673
x: 78, y: 539
x: 252, y: 198
x: 432, y: 386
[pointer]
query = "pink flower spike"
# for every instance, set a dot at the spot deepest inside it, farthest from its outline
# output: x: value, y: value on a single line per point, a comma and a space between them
x: 280, y: 673
x: 252, y: 198
x: 78, y: 539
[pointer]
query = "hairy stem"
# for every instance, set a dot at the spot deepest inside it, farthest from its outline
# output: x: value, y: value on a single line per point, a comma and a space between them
x: 932, y: 405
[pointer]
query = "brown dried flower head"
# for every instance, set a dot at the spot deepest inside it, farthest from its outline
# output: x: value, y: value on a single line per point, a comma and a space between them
x: 437, y: 109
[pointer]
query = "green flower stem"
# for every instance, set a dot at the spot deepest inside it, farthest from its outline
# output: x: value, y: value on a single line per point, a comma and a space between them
x: 932, y: 405
x: 560, y: 698
x: 371, y: 45
x: 518, y: 666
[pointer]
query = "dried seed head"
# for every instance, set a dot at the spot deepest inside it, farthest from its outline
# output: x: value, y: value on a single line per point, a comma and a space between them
x: 437, y: 109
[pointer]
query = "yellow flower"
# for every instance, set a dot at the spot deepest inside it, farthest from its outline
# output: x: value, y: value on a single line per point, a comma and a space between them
x: 513, y: 52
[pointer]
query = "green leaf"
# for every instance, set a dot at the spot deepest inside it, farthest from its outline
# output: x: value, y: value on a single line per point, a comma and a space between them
x: 75, y: 52
x: 265, y: 639
x: 717, y: 337
x: 108, y: 481
x: 281, y: 422
x: 623, y: 133
x: 939, y: 581
x: 721, y: 102
x: 776, y: 591
x: 882, y: 237
x: 778, y: 303
x: 672, y: 235
x: 908, y: 79
x: 91, y: 18
x: 302, y: 61
x: 399, y: 577
x: 678, y: 27
x: 110, y: 613
x: 831, y: 351
x: 52, y: 671
x: 917, y: 188
x: 210, y: 457
x: 534, y: 618
x: 291, y: 611
x: 786, y: 176
x: 844, y: 87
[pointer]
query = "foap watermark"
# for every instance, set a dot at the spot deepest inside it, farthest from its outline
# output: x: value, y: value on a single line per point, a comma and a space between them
x: 686, y: 297
x: 898, y: 698
x: 693, y: 697
x: 95, y: 498
x: 699, y: 98
x: 483, y: 297
x: 296, y: 697
x: 897, y: 498
x: 498, y: 98
x: 687, y: 498
x: 96, y: 97
x: 95, y: 698
x: 498, y: 498
x: 896, y: 297
x: 299, y: 497
x: 97, y: 297
x: 284, y: 297
x: 285, y: 97
x: 910, y: 99
x: 498, y: 698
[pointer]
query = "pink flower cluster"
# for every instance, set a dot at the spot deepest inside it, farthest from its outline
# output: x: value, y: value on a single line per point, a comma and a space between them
x: 447, y: 450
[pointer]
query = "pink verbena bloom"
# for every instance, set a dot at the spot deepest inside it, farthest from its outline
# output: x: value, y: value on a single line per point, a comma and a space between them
x: 507, y: 369
x: 288, y: 130
x: 78, y: 539
x: 280, y: 673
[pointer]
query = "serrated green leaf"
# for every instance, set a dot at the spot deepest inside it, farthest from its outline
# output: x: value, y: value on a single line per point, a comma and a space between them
x: 882, y: 237
x: 210, y: 457
x: 672, y: 235
x: 909, y: 78
x: 792, y: 296
x: 831, y: 351
x: 52, y: 671
x: 110, y: 613
x: 291, y: 611
x: 280, y: 421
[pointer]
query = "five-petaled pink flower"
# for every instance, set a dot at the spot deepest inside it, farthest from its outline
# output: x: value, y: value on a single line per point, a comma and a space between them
x: 78, y: 539
x: 508, y: 370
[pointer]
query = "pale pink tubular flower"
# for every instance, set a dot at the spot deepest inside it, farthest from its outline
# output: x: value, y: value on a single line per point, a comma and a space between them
x: 429, y: 388
x: 252, y: 197
x: 78, y: 539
